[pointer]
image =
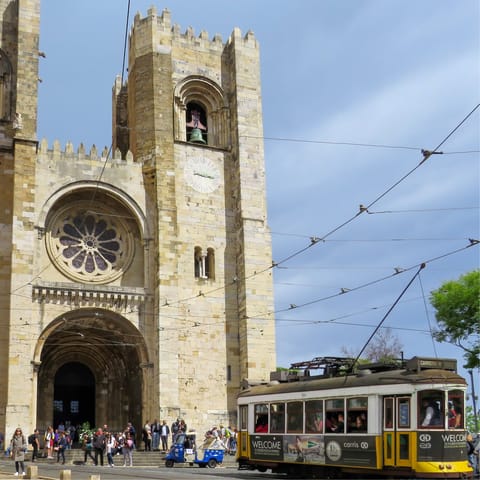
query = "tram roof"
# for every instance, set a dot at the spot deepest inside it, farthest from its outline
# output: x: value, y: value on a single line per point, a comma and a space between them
x: 361, y: 379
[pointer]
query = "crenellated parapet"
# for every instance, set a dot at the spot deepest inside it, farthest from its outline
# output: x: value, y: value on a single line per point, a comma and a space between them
x: 162, y: 28
x: 56, y: 154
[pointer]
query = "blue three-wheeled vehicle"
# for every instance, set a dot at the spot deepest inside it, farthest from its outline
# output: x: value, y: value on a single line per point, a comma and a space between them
x: 185, y: 450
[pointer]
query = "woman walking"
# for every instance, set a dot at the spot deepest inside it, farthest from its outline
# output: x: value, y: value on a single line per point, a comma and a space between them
x: 87, y: 447
x: 18, y: 446
x: 49, y: 440
x: 127, y: 450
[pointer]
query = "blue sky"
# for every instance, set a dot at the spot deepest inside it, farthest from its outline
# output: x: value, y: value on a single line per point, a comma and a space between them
x: 396, y: 73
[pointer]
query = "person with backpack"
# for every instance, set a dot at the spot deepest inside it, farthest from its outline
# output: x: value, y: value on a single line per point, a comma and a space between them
x: 34, y: 441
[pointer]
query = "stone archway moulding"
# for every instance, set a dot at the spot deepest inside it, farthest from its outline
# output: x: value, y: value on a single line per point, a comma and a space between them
x: 127, y: 201
x: 80, y: 313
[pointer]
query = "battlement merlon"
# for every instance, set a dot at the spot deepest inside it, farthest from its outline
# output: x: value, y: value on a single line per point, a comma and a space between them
x: 57, y: 154
x: 155, y: 33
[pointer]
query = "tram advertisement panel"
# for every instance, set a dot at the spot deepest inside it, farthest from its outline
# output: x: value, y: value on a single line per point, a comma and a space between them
x: 315, y: 449
x: 448, y: 446
x: 349, y: 450
x: 266, y: 447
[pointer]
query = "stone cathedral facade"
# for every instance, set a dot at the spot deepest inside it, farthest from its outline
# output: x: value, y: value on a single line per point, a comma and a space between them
x: 135, y: 282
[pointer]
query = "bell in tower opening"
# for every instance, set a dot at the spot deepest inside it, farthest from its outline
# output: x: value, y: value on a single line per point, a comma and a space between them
x: 196, y: 122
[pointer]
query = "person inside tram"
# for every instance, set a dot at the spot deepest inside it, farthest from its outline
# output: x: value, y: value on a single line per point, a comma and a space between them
x: 335, y: 424
x: 431, y: 413
x: 262, y: 424
x: 330, y: 423
x: 358, y: 424
x: 315, y: 423
x: 454, y: 415
x: 340, y: 424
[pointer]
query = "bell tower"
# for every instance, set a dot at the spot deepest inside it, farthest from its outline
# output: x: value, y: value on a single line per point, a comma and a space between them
x: 191, y: 114
x: 19, y: 26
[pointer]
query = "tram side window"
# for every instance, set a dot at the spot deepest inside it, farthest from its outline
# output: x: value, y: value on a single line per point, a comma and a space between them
x: 314, y: 416
x: 388, y: 413
x: 243, y: 417
x: 455, y: 409
x: 403, y: 420
x: 295, y: 417
x: 261, y: 418
x: 277, y: 418
x: 334, y: 415
x: 357, y: 414
x: 431, y: 409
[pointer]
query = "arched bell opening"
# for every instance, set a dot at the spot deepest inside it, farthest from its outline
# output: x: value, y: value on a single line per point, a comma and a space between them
x: 90, y: 369
x: 196, y: 123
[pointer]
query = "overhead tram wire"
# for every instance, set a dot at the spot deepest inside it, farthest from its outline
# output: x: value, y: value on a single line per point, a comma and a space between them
x: 315, y: 240
x: 345, y: 291
x: 421, y: 267
x: 123, y: 70
x: 426, y: 155
x: 430, y: 329
x: 125, y: 42
x: 353, y: 144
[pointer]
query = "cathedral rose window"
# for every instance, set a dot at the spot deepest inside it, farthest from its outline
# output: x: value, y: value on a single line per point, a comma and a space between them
x: 89, y: 244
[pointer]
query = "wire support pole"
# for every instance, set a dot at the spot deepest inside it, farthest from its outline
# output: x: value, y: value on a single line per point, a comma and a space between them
x: 422, y: 266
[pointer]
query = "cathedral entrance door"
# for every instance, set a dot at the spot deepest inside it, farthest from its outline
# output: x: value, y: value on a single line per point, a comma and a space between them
x: 74, y: 395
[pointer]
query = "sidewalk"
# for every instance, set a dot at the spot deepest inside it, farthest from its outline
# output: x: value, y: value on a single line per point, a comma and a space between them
x: 7, y: 472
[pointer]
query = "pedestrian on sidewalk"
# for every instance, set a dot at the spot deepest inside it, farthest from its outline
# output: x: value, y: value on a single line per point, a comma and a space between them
x: 18, y: 447
x: 34, y: 441
x: 61, y: 447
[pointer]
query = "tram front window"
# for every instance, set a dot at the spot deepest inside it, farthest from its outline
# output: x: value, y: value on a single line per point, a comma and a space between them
x: 455, y: 409
x: 431, y: 409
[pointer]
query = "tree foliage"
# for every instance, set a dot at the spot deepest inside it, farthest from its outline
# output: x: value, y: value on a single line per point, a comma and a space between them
x: 470, y: 420
x: 457, y: 305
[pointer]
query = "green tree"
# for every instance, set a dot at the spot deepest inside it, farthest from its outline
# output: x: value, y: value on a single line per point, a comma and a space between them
x: 470, y: 419
x: 457, y: 305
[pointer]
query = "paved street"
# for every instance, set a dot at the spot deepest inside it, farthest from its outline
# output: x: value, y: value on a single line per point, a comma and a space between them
x: 80, y: 472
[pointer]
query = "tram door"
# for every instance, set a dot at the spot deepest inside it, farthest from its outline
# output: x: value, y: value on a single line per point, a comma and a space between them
x: 242, y: 442
x: 397, y: 435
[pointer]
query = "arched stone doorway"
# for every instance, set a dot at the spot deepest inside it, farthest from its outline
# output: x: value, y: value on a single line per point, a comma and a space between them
x: 96, y: 358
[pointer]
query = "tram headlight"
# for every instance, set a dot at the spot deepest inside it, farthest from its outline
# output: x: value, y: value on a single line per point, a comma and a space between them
x: 441, y: 466
x: 449, y: 467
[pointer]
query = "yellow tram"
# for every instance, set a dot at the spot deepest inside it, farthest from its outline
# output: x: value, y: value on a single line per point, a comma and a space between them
x: 403, y: 419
